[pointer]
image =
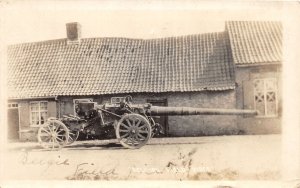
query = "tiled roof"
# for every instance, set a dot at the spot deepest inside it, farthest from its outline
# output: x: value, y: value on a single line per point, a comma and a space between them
x: 118, y: 65
x: 255, y: 41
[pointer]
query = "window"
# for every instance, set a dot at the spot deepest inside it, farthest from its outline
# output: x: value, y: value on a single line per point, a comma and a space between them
x: 266, y: 97
x: 76, y: 101
x: 38, y: 112
x: 12, y: 105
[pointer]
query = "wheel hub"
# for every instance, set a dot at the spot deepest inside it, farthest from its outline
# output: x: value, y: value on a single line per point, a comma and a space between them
x: 133, y: 131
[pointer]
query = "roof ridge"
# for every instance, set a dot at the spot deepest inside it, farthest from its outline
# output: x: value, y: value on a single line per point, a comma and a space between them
x: 114, y: 38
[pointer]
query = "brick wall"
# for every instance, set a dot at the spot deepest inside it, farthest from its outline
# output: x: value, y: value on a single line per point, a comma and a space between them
x: 177, y: 125
x: 257, y: 125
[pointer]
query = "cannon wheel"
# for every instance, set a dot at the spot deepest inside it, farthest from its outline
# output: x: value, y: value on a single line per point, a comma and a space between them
x: 133, y: 131
x: 53, y: 134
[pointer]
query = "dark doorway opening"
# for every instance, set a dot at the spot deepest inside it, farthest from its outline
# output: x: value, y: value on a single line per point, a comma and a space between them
x: 13, y: 124
x: 162, y: 120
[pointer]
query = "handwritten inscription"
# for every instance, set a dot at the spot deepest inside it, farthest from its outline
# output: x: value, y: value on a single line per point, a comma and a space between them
x: 173, y: 170
x: 86, y: 171
x: 27, y: 160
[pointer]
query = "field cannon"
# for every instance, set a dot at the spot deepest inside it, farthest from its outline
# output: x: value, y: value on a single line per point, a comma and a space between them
x: 132, y: 124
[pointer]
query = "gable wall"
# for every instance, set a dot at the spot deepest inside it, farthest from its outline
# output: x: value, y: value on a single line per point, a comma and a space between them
x: 245, y: 99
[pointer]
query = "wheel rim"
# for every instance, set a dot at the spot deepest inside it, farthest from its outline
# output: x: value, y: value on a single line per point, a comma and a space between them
x: 53, y: 135
x: 133, y: 131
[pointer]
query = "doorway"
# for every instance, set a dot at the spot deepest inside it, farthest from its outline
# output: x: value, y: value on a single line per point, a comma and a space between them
x: 12, y: 122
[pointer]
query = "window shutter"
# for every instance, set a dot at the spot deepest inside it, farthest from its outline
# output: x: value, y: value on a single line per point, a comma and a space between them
x: 248, y: 91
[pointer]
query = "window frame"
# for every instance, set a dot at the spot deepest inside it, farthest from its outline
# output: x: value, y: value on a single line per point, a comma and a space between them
x: 74, y: 113
x: 266, y: 115
x: 39, y: 113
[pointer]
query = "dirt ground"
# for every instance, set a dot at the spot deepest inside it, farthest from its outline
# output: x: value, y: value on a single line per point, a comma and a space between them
x: 198, y: 158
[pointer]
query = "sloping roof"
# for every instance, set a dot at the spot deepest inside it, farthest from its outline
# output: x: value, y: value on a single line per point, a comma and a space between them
x: 119, y: 65
x: 255, y: 41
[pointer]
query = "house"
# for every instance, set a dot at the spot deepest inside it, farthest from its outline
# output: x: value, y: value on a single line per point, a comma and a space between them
x: 203, y: 70
x: 257, y: 54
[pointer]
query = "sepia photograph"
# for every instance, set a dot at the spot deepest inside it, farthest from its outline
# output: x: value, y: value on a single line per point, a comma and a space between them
x: 118, y: 91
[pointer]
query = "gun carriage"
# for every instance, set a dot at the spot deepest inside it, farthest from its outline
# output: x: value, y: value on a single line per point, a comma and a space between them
x: 132, y: 124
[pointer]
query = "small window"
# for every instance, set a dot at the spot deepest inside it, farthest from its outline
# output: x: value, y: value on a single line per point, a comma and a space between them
x: 266, y: 97
x: 13, y: 105
x: 76, y: 101
x: 38, y: 112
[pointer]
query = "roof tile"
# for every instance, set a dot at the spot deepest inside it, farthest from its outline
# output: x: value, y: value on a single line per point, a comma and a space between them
x: 119, y: 65
x: 255, y: 41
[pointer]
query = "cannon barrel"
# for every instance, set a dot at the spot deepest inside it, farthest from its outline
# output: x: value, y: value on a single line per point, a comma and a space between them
x: 181, y: 111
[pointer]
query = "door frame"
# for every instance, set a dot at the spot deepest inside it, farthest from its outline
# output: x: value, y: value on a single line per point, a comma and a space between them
x: 10, y: 106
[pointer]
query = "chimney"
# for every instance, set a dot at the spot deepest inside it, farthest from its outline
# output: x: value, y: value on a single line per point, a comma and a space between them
x: 73, y: 33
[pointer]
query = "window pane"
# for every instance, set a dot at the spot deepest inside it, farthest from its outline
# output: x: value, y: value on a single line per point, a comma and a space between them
x: 271, y: 85
x: 43, y: 117
x: 271, y: 103
x: 38, y: 112
x: 261, y: 108
x: 259, y: 97
x: 44, y: 105
x: 35, y: 118
x: 259, y: 85
x: 260, y: 103
x: 34, y: 106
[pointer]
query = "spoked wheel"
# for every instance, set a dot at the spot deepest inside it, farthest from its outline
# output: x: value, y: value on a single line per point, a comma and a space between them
x: 73, y: 136
x: 53, y: 135
x: 133, y: 131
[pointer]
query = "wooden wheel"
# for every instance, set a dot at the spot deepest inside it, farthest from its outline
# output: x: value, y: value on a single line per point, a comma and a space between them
x: 53, y: 134
x: 133, y: 131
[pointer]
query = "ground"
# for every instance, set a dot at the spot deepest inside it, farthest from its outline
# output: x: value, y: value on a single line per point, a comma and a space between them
x: 251, y: 157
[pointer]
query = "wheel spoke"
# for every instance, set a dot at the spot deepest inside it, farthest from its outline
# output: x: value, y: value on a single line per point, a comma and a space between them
x: 135, y: 137
x: 142, y: 131
x: 60, y: 131
x: 52, y: 143
x: 127, y: 120
x: 57, y: 138
x: 43, y: 129
x: 143, y: 126
x: 133, y: 122
x: 127, y: 127
x: 139, y: 122
x: 61, y: 135
x: 56, y: 128
x: 125, y: 135
x: 50, y: 129
x: 47, y: 139
x: 131, y: 139
x: 141, y: 136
